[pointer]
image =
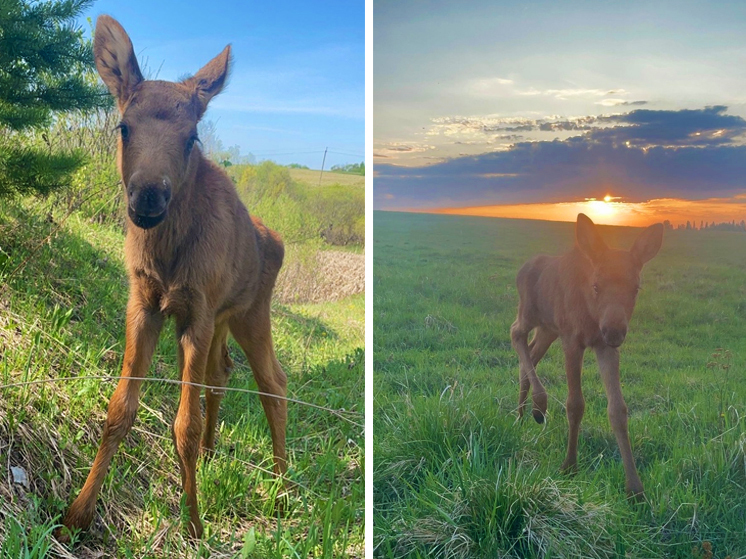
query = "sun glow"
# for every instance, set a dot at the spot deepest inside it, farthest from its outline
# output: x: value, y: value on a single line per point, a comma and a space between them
x: 614, y: 211
x: 600, y: 210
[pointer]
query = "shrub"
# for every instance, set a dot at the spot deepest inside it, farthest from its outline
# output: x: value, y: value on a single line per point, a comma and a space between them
x: 334, y: 213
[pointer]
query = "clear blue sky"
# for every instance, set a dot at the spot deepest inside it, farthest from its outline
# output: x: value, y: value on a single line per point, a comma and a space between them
x: 298, y: 79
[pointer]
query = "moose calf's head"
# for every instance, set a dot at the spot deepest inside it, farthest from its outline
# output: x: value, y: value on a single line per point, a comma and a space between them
x: 615, y: 280
x: 158, y: 127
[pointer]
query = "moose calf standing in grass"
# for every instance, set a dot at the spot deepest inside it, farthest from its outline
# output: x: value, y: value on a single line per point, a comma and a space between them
x: 586, y: 298
x: 192, y: 252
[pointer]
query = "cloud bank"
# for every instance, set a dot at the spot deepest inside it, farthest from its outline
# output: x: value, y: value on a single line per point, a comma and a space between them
x: 638, y: 155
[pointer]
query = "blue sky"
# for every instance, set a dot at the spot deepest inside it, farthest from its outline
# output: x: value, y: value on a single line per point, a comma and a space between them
x: 298, y: 80
x: 522, y: 102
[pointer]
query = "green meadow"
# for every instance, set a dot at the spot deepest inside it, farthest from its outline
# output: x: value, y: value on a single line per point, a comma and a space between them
x: 63, y: 292
x: 457, y: 475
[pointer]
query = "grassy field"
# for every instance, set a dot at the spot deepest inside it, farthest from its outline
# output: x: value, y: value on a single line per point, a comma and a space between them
x: 62, y: 315
x: 311, y: 177
x: 457, y: 476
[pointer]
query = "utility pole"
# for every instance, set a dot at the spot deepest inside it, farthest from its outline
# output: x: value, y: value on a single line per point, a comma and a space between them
x: 322, y: 165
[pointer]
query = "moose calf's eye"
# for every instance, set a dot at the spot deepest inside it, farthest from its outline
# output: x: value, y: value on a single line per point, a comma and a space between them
x: 190, y: 143
x: 124, y: 131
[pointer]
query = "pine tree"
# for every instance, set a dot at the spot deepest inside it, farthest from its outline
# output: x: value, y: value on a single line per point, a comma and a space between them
x: 46, y: 67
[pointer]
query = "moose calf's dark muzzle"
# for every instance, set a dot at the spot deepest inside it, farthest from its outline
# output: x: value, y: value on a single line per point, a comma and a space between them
x: 613, y: 337
x: 148, y: 201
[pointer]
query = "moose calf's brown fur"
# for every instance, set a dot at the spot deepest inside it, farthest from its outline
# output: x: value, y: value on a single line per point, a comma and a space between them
x: 586, y: 298
x: 192, y: 253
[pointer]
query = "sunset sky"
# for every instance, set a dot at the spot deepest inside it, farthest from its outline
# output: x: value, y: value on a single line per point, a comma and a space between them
x: 544, y: 109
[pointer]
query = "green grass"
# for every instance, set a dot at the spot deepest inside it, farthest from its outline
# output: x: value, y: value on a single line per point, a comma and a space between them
x: 456, y: 475
x: 62, y: 315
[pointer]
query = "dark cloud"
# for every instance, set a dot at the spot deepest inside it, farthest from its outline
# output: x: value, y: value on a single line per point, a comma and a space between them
x: 584, y: 123
x: 634, y: 103
x: 520, y: 128
x: 401, y: 148
x: 699, y: 127
x: 642, y: 154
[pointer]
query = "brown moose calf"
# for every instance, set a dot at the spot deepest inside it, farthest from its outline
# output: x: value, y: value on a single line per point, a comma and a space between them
x: 586, y: 298
x: 192, y: 253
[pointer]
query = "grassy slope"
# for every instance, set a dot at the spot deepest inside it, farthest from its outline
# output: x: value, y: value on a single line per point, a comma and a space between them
x: 62, y: 315
x: 457, y: 476
x: 311, y: 176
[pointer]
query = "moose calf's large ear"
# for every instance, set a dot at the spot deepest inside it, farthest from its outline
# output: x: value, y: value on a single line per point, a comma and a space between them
x: 209, y: 81
x: 648, y: 243
x: 588, y: 239
x: 115, y: 59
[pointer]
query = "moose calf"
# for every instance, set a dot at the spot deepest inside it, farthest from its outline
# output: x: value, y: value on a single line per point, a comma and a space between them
x: 192, y: 253
x: 586, y: 298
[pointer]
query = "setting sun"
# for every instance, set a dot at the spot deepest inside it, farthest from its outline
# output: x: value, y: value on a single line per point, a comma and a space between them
x: 607, y: 198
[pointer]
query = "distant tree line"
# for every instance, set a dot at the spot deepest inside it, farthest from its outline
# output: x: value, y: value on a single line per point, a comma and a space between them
x: 704, y: 226
x: 350, y: 168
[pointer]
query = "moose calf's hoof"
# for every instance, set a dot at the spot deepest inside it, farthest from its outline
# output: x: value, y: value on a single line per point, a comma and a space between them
x: 195, y: 530
x: 77, y: 518
x: 62, y: 535
x: 540, y: 406
x: 636, y: 494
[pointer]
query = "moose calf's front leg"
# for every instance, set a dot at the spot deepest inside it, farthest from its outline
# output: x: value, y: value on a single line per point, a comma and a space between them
x: 143, y: 327
x: 608, y: 364
x: 187, y: 428
x: 575, y: 402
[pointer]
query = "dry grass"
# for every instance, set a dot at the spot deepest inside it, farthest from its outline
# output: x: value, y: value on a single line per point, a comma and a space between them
x: 321, y: 276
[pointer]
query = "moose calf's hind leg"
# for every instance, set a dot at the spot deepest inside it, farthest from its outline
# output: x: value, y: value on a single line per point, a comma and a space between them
x: 219, y: 365
x: 519, y: 338
x: 253, y: 333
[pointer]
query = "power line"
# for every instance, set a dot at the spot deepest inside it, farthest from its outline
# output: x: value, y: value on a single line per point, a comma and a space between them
x: 285, y: 152
x: 348, y: 154
x: 344, y: 151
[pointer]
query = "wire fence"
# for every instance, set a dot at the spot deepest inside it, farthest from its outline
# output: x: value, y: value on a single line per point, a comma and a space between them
x: 341, y: 413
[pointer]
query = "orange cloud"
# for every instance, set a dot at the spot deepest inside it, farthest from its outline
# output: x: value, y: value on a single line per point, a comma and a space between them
x: 613, y: 211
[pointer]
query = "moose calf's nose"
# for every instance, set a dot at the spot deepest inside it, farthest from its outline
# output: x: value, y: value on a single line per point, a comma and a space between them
x: 148, y: 197
x: 613, y: 336
x: 149, y: 201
